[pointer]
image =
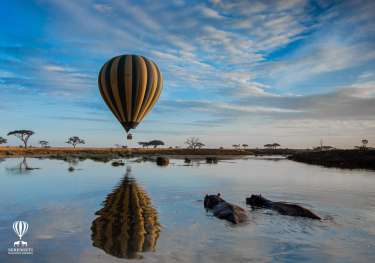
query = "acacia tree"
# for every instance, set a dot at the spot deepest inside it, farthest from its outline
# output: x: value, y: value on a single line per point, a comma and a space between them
x: 75, y: 140
x: 143, y: 144
x: 23, y: 135
x: 155, y: 143
x: 200, y: 145
x: 245, y: 146
x: 236, y: 146
x: 193, y: 143
x: 3, y: 140
x: 275, y: 145
x: 272, y: 145
x: 44, y: 144
x: 364, y: 143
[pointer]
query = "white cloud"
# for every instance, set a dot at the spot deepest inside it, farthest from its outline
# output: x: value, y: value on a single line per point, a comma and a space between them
x: 290, y: 4
x: 225, y: 110
x: 103, y: 8
x: 67, y: 79
x: 253, y: 109
x: 54, y: 68
x: 6, y: 74
x: 180, y: 42
x: 328, y: 54
x: 216, y: 2
x: 211, y: 13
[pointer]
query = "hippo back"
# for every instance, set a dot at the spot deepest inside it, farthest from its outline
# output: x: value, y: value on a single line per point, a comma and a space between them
x: 294, y: 210
x: 230, y: 212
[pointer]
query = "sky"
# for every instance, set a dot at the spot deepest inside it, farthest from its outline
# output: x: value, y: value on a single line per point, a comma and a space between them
x: 290, y: 71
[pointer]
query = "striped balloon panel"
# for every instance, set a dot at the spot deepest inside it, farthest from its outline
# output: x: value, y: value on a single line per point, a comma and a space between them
x: 130, y: 86
x: 128, y: 223
x: 20, y: 228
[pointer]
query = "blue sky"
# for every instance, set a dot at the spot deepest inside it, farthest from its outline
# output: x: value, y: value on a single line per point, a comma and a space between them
x: 250, y: 72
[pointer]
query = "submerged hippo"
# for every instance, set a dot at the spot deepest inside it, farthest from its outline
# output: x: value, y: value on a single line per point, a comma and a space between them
x: 224, y: 210
x: 258, y: 201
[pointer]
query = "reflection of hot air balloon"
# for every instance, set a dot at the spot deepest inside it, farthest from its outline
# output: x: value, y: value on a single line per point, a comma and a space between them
x: 130, y: 86
x: 127, y: 224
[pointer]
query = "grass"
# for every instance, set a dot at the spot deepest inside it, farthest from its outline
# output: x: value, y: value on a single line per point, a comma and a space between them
x: 16, y: 151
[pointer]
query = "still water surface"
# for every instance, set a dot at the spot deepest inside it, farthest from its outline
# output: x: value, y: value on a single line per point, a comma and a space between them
x: 142, y: 212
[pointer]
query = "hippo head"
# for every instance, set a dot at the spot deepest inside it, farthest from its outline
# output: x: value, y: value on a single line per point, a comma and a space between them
x: 257, y: 201
x: 210, y: 201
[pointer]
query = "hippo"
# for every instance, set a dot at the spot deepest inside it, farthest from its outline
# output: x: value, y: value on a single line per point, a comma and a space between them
x: 258, y: 201
x: 224, y: 210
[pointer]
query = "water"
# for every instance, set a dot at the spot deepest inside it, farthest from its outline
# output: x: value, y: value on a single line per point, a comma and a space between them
x: 155, y: 214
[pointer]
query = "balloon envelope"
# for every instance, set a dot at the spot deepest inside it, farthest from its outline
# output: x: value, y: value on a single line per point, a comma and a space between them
x: 20, y: 228
x: 130, y: 86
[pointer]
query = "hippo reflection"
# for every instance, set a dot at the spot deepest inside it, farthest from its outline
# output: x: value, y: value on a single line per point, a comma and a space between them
x: 127, y: 224
x: 258, y: 201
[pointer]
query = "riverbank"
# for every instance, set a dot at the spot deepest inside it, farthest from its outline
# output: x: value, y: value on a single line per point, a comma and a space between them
x: 111, y: 153
x: 347, y: 159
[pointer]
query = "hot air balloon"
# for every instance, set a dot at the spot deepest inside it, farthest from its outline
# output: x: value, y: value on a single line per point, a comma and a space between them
x: 20, y: 228
x: 130, y: 86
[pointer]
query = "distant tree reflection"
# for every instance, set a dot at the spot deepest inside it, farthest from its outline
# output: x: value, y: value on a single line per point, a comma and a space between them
x: 21, y: 168
x: 127, y: 224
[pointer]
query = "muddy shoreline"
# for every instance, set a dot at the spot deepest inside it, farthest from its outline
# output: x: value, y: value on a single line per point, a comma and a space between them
x: 345, y: 159
x: 108, y: 154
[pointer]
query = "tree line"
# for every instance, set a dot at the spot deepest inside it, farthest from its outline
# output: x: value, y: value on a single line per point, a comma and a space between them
x: 191, y: 142
x: 24, y: 136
